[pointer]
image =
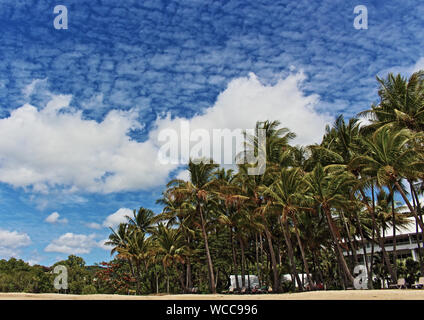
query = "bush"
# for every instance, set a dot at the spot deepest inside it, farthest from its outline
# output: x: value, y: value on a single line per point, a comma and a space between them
x: 89, y: 289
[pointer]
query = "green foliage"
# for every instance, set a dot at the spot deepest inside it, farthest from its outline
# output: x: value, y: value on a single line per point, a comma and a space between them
x: 301, y: 216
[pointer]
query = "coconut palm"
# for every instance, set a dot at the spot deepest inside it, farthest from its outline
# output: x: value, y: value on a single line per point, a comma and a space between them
x: 172, y: 250
x: 143, y: 219
x: 287, y: 195
x: 391, y: 158
x: 197, y: 192
x: 401, y: 103
x: 329, y: 190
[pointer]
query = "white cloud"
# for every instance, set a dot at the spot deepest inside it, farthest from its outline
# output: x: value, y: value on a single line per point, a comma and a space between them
x: 93, y: 225
x: 11, y: 241
x: 117, y: 217
x: 35, y: 258
x: 247, y: 100
x: 404, y: 70
x: 71, y: 243
x: 29, y: 89
x: 103, y: 246
x: 56, y: 147
x: 419, y: 65
x: 54, y: 218
x: 183, y: 175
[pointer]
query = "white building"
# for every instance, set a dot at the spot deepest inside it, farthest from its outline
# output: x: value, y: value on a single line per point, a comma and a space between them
x: 406, y: 242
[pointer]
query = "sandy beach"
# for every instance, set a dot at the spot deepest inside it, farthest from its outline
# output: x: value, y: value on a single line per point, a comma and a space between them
x: 315, y: 295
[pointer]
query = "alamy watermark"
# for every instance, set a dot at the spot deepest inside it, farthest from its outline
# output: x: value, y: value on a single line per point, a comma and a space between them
x: 223, y: 146
x: 360, y: 282
x: 361, y: 20
x: 60, y: 281
x: 61, y: 20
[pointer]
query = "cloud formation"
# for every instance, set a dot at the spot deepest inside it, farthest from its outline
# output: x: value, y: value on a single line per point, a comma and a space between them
x: 54, y: 218
x: 55, y: 147
x: 70, y: 243
x: 11, y: 242
x: 117, y: 217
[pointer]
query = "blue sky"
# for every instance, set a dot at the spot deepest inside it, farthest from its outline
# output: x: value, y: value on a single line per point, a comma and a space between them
x: 107, y: 82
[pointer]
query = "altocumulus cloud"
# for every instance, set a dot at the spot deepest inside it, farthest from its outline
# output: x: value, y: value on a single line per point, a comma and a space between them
x: 11, y: 241
x: 71, y: 243
x: 56, y: 147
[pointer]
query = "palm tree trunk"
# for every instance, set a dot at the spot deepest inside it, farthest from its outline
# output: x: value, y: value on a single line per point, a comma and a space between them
x: 354, y: 258
x: 257, y: 259
x: 137, y: 277
x: 261, y: 246
x: 181, y: 278
x: 364, y: 248
x: 317, y: 267
x: 235, y: 269
x: 342, y: 260
x: 305, y: 262
x: 189, y: 280
x: 167, y: 283
x: 243, y: 270
x: 157, y: 281
x: 276, y: 283
x: 417, y: 205
x: 394, y: 232
x: 405, y: 198
x: 208, y: 254
x: 286, y: 234
x: 386, y: 259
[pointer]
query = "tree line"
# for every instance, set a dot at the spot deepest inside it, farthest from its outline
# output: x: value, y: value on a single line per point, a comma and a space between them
x: 307, y: 215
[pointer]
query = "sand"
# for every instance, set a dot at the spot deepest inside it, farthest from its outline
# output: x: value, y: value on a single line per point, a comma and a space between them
x: 315, y: 295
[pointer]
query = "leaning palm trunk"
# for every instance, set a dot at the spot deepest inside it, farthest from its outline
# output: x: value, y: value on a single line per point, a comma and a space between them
x: 405, y: 198
x: 387, y: 259
x: 286, y: 234
x: 233, y: 249
x: 342, y: 260
x: 371, y: 211
x: 276, y: 282
x: 208, y: 254
x: 379, y: 239
x: 351, y: 244
x: 305, y: 263
x: 364, y: 248
x: 417, y: 207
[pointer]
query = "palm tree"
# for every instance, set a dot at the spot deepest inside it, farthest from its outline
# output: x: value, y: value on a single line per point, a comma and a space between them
x: 143, y: 219
x: 197, y: 192
x: 178, y: 213
x: 287, y: 194
x: 401, y: 103
x: 329, y: 190
x: 230, y: 201
x: 390, y: 158
x: 138, y: 251
x: 172, y: 249
x: 119, y: 240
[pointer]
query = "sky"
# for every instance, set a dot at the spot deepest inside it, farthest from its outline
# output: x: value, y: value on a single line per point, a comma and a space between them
x: 82, y: 108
